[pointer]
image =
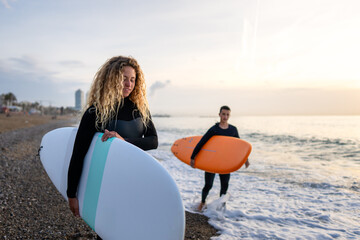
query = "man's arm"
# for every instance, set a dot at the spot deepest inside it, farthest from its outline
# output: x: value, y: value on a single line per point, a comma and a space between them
x: 200, y: 144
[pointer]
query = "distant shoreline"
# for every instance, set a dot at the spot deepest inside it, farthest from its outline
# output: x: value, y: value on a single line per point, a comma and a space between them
x: 161, y: 115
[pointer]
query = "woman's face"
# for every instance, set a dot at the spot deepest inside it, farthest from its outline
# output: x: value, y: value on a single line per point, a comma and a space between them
x: 129, y: 77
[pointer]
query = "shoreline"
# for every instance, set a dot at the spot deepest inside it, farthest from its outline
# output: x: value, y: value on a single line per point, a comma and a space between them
x: 31, y: 207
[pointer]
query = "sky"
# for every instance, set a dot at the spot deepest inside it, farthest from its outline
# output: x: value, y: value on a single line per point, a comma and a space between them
x: 260, y: 57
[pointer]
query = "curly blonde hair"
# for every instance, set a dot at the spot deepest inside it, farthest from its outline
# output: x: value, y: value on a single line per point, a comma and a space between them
x: 106, y: 93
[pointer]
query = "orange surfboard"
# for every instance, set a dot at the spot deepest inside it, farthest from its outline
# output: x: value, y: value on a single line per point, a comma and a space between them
x: 220, y: 154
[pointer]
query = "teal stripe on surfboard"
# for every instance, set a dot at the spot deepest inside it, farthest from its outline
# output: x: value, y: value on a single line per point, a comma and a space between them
x: 93, y: 184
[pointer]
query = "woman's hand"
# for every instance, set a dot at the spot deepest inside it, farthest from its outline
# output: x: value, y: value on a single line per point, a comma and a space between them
x: 74, y: 206
x: 192, y: 162
x: 107, y: 134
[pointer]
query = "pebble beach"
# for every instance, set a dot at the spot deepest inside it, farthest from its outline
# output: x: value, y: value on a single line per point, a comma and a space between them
x: 31, y: 207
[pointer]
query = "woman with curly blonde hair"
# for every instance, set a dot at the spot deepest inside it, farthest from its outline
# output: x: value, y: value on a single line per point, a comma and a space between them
x: 116, y: 106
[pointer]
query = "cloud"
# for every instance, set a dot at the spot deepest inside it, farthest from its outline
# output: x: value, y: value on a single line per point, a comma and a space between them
x: 71, y: 63
x: 27, y: 65
x: 27, y: 87
x: 157, y: 85
x: 24, y: 62
x: 6, y: 3
x: 29, y: 82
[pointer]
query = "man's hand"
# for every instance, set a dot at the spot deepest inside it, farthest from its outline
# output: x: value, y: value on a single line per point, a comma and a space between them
x: 192, y: 163
x: 247, y: 163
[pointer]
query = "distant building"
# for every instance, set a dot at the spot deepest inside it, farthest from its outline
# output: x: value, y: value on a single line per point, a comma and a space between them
x: 79, y: 99
x: 87, y: 97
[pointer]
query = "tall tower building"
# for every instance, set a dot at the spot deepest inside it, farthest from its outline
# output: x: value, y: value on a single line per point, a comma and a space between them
x: 79, y: 99
x: 86, y: 96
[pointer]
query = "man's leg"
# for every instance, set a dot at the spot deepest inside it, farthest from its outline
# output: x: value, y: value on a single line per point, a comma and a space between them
x: 224, y: 182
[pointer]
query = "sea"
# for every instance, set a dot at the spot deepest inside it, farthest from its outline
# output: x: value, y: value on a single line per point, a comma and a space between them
x: 303, y: 181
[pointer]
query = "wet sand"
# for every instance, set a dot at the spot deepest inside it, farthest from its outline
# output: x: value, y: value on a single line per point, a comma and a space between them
x: 31, y: 207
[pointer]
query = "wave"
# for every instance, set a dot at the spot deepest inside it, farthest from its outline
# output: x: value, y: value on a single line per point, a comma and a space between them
x: 310, y: 148
x: 300, y: 140
x: 355, y: 186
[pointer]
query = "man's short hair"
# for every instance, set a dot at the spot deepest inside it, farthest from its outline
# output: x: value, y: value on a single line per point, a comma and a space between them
x: 225, y: 108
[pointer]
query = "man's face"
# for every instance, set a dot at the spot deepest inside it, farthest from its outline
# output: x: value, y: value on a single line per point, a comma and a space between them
x: 224, y: 115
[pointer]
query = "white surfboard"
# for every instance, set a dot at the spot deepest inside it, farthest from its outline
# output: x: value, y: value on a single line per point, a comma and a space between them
x: 124, y: 193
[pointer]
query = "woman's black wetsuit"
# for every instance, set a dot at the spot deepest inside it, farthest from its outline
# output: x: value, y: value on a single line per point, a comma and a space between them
x: 127, y: 124
x: 231, y: 131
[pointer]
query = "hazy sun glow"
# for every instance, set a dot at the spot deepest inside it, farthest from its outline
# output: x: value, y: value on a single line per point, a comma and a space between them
x: 260, y: 47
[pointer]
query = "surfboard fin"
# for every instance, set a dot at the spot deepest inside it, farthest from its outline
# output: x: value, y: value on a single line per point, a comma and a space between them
x: 38, y: 154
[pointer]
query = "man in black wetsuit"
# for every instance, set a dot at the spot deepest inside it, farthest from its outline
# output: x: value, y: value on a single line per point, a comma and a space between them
x: 223, y: 128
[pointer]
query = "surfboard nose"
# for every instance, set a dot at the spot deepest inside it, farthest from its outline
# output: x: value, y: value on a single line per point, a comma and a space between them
x: 174, y: 147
